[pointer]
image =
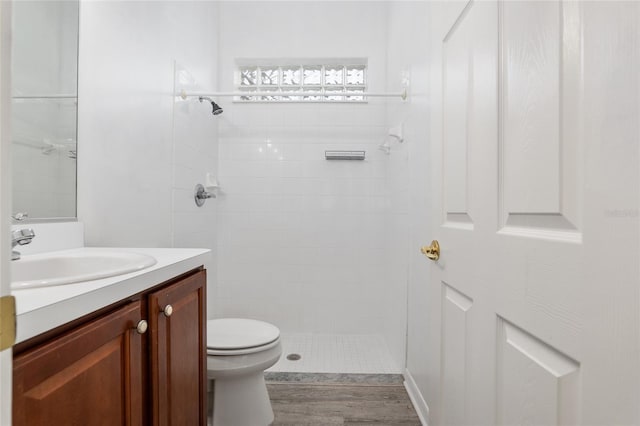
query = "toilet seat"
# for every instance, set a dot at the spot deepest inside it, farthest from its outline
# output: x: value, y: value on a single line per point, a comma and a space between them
x: 238, y: 353
x: 240, y: 336
x: 244, y: 351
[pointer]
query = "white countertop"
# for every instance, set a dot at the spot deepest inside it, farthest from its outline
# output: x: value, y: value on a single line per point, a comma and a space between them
x: 42, y: 309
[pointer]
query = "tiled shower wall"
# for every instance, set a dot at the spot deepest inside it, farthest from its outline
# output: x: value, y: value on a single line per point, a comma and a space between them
x: 132, y: 134
x: 141, y: 150
x: 195, y: 154
x: 302, y: 240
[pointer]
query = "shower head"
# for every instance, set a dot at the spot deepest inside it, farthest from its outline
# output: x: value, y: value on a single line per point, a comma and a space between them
x: 217, y: 109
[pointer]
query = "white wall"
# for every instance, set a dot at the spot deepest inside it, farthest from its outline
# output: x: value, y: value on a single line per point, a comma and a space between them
x: 126, y: 152
x: 407, y: 60
x: 301, y: 239
x: 409, y: 177
x: 141, y: 150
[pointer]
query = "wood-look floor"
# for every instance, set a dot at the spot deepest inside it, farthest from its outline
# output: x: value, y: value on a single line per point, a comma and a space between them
x: 320, y: 404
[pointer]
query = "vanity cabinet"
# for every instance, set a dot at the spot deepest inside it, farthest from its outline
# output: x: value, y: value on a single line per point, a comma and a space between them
x: 177, y: 319
x: 107, y: 369
x: 91, y: 375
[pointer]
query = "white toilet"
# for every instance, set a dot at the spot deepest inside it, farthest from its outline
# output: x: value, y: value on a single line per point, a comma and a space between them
x: 238, y: 352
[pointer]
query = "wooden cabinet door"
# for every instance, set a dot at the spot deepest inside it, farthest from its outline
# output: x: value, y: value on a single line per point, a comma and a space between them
x: 178, y: 352
x: 90, y: 376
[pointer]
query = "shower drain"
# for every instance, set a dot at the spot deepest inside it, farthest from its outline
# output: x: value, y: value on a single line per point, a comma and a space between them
x: 294, y: 357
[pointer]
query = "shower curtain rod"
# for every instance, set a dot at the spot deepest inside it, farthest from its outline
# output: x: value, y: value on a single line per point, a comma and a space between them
x: 403, y: 94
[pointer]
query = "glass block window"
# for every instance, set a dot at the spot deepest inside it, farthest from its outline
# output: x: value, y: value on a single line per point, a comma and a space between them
x: 307, y: 82
x: 249, y: 76
x: 270, y: 77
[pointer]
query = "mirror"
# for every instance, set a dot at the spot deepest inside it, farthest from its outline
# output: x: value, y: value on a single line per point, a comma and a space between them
x: 44, y: 108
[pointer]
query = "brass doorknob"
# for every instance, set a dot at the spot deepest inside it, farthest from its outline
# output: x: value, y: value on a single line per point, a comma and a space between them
x: 432, y: 251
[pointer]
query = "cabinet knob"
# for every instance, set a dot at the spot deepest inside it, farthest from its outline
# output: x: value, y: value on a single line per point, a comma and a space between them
x: 167, y: 311
x: 142, y: 326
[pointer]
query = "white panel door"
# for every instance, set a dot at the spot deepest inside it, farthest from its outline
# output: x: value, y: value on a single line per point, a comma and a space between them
x: 537, y: 107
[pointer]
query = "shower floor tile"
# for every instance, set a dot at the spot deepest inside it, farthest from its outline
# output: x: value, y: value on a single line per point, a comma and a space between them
x: 335, y: 353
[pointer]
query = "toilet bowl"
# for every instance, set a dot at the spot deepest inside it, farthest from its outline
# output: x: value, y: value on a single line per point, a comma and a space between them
x: 238, y: 352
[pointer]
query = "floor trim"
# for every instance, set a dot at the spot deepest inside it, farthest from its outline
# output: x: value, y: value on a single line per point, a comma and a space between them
x: 416, y: 398
x: 335, y: 378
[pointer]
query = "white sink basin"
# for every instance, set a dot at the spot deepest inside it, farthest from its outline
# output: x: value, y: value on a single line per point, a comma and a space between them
x: 66, y: 268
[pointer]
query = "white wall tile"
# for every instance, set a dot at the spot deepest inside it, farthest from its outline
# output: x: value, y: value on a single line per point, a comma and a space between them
x: 127, y: 50
x: 142, y: 150
x: 289, y: 217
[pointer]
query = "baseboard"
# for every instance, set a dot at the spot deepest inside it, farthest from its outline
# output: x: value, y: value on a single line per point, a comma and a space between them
x: 334, y: 378
x: 416, y: 398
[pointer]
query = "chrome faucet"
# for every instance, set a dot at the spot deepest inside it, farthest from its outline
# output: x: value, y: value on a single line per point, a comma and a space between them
x: 20, y: 237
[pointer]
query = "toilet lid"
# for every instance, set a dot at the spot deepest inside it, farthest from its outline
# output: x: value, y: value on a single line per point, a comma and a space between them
x: 237, y: 333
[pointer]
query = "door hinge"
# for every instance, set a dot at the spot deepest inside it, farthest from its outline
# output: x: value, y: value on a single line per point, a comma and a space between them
x: 7, y: 322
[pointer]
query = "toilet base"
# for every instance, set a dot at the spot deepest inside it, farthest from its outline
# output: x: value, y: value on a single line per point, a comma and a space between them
x: 230, y: 407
